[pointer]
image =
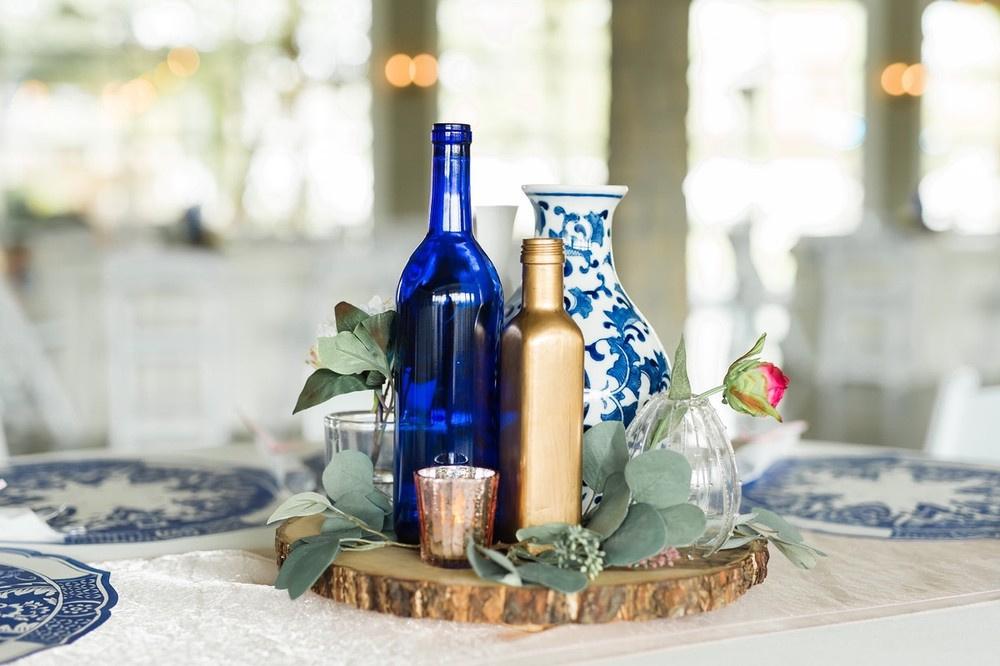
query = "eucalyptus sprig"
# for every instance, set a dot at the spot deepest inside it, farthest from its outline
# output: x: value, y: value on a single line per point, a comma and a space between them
x: 642, y: 513
x: 764, y: 524
x: 357, y: 516
x: 358, y: 356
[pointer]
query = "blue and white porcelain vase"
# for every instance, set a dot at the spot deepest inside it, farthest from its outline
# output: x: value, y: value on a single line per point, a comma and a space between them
x: 624, y: 362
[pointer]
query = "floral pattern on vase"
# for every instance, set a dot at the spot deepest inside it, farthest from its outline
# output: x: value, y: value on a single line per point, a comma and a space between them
x: 624, y: 362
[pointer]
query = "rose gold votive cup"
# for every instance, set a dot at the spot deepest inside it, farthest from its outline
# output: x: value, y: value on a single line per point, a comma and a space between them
x: 456, y: 503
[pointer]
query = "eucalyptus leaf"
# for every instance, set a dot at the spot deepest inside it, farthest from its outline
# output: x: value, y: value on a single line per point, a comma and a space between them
x: 737, y: 541
x: 659, y: 477
x: 379, y: 499
x: 519, y: 552
x: 765, y: 524
x: 362, y: 508
x: 348, y: 472
x: 552, y: 577
x: 324, y: 384
x: 680, y: 387
x: 300, y: 504
x: 770, y: 519
x: 347, y: 354
x: 492, y: 565
x: 642, y: 535
x: 604, y: 453
x: 321, y: 537
x: 305, y: 564
x: 613, y: 508
x: 685, y: 524
x: 547, y: 533
x: 348, y: 316
x: 777, y: 538
x: 334, y: 522
x: 801, y: 556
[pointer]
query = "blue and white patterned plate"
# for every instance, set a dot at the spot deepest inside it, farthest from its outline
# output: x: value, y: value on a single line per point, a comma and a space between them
x: 48, y: 600
x: 124, y: 500
x: 892, y: 497
x: 316, y: 464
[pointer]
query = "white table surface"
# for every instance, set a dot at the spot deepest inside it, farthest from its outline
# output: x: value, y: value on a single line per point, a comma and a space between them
x: 870, y: 601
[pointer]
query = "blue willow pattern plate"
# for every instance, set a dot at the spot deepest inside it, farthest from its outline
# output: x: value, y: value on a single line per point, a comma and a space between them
x: 892, y: 497
x: 123, y: 500
x: 48, y: 600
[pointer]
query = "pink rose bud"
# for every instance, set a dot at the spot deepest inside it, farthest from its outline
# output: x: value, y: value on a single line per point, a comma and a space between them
x: 755, y: 388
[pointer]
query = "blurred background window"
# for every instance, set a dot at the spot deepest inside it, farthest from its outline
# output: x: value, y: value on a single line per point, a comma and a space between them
x: 775, y: 133
x: 533, y: 78
x: 136, y: 134
x: 960, y: 138
x: 249, y: 116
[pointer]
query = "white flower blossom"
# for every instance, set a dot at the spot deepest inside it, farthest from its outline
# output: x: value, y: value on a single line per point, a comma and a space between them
x: 378, y: 305
x: 328, y: 328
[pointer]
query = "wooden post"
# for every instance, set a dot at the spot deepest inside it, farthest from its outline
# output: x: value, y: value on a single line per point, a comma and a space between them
x: 648, y: 152
x: 892, y: 147
x: 402, y: 117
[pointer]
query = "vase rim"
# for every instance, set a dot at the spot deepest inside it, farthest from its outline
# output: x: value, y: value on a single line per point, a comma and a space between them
x: 610, y: 191
x: 363, y: 416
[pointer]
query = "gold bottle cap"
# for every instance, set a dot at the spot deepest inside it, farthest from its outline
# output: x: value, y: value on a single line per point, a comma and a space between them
x: 542, y: 251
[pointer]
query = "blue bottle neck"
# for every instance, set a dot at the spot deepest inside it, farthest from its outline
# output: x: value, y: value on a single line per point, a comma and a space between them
x: 451, y: 205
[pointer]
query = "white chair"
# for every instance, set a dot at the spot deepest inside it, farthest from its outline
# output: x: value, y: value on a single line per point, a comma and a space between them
x: 32, y: 395
x: 965, y: 421
x: 169, y: 363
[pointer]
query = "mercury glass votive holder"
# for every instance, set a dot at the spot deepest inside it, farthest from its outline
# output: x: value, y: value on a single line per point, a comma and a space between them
x: 456, y: 503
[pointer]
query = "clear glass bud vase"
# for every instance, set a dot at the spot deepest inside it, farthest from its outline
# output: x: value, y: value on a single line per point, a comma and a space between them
x: 692, y: 428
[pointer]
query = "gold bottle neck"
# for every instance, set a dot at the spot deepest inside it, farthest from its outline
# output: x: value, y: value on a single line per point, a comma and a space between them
x: 542, y: 274
x: 542, y: 287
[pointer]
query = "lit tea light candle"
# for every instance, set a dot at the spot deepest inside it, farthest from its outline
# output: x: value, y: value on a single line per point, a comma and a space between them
x: 456, y: 503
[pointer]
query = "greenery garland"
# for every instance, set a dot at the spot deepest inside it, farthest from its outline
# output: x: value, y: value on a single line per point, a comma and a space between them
x: 642, y: 515
x: 642, y: 518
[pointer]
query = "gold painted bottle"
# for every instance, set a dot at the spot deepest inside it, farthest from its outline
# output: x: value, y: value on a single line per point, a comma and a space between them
x: 541, y: 400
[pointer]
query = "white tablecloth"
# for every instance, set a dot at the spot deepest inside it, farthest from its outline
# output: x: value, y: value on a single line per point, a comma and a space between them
x: 219, y: 607
x: 924, y: 602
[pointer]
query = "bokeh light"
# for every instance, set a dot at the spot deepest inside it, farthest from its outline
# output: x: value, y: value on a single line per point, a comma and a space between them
x: 138, y: 94
x: 183, y: 61
x: 914, y: 80
x: 424, y: 70
x: 892, y: 79
x: 399, y: 70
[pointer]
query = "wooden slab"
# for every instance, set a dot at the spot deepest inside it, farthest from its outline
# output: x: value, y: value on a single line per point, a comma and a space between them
x: 395, y: 581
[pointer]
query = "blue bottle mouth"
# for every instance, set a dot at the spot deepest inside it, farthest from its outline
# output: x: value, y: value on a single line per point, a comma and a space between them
x: 451, y: 133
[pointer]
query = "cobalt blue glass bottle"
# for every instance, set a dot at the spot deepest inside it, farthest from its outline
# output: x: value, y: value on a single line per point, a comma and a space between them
x: 448, y: 309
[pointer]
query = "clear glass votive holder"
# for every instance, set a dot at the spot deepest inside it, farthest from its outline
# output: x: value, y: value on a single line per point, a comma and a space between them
x: 358, y: 431
x: 456, y: 503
